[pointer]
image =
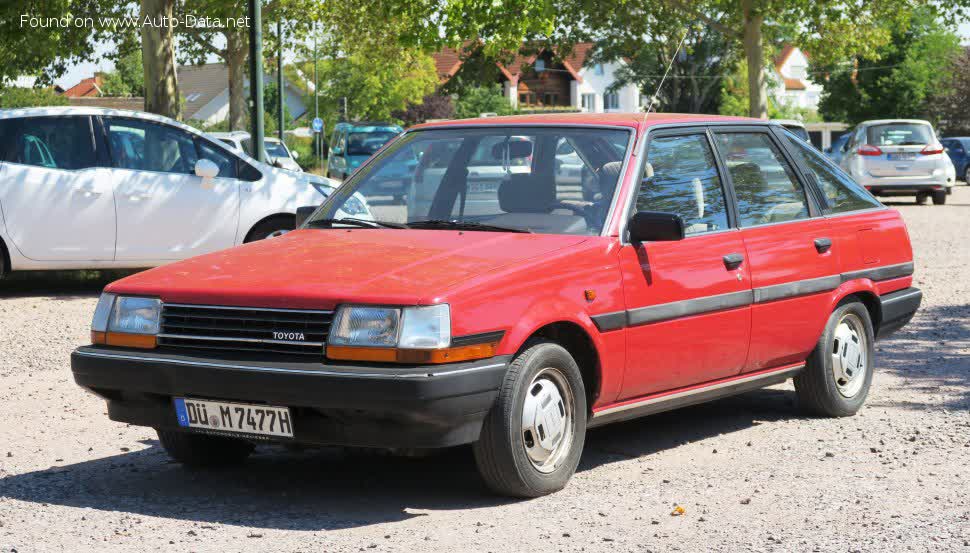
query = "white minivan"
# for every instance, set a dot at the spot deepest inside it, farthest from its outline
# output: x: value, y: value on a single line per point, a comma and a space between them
x: 89, y: 188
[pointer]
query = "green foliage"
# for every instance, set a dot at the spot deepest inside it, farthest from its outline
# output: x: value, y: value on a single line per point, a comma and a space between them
x: 128, y: 77
x: 30, y: 97
x: 949, y: 108
x: 483, y: 99
x: 899, y: 79
x: 47, y: 51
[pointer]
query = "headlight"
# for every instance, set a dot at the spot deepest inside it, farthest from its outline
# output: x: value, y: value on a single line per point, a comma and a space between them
x: 353, y: 206
x: 127, y: 321
x: 420, y: 334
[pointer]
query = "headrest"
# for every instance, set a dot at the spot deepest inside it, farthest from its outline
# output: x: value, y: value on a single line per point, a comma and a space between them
x: 518, y: 149
x: 525, y: 194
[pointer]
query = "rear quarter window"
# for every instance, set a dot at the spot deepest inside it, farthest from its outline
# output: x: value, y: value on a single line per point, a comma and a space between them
x: 840, y: 193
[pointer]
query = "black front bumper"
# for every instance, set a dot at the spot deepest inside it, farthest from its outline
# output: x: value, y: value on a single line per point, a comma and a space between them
x: 897, y: 309
x: 358, y: 405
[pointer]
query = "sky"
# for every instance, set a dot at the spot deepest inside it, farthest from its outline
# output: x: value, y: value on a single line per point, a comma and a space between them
x: 84, y: 70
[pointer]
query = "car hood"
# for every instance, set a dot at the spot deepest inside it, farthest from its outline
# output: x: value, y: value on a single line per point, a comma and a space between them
x: 318, y: 269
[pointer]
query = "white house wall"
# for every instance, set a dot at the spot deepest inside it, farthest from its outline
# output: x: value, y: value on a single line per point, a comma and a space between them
x: 593, y: 83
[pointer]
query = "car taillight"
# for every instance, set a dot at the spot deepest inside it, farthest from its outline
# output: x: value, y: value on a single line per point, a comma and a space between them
x: 869, y: 150
x: 932, y: 149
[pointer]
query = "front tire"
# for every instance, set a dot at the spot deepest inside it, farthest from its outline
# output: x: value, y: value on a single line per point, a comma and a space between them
x: 939, y: 197
x: 838, y: 374
x: 200, y: 450
x: 271, y: 228
x: 533, y: 437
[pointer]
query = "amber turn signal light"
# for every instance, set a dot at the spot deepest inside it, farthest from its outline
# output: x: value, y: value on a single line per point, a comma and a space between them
x: 121, y: 339
x: 413, y: 356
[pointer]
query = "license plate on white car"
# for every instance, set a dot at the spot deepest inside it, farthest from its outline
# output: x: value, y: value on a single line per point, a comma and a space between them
x: 242, y: 418
x: 902, y: 156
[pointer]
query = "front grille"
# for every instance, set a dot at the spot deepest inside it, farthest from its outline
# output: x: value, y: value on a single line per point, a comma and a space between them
x: 294, y: 331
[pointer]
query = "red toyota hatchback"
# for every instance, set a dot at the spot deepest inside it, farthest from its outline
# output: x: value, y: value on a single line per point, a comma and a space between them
x: 542, y: 275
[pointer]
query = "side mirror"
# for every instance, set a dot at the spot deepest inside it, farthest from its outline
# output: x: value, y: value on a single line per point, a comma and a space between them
x: 206, y: 169
x: 303, y: 213
x: 655, y: 226
x: 295, y: 154
x: 277, y: 163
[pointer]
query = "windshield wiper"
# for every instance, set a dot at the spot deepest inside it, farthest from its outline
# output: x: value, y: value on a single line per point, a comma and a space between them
x: 464, y: 225
x: 350, y: 221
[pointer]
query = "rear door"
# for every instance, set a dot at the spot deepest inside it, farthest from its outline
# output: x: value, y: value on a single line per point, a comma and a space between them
x: 58, y: 204
x: 688, y: 302
x: 789, y: 247
x: 165, y: 211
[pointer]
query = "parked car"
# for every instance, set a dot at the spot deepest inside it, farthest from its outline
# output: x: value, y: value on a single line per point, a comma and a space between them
x: 958, y: 149
x: 797, y: 128
x: 899, y: 157
x: 837, y: 149
x: 277, y: 154
x: 516, y: 322
x: 352, y: 143
x: 94, y: 189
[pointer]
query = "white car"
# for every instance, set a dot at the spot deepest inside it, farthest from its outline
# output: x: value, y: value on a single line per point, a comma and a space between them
x: 88, y: 188
x: 277, y: 153
x: 899, y: 157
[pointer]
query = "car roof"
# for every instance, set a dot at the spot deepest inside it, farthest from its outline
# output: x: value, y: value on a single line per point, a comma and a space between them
x: 62, y: 111
x: 634, y: 120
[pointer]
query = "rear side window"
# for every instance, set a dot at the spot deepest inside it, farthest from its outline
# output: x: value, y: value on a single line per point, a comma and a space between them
x: 50, y: 142
x: 899, y: 134
x: 840, y: 192
x: 764, y: 182
x: 681, y: 177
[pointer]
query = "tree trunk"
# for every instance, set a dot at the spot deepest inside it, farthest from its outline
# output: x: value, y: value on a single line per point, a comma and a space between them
x: 236, y: 56
x: 158, y: 59
x: 754, y: 53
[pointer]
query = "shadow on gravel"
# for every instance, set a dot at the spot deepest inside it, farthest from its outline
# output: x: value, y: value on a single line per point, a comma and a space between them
x: 328, y: 490
x: 930, y: 352
x: 61, y: 284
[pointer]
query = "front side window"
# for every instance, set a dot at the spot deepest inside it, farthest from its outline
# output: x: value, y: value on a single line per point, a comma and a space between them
x: 681, y: 177
x: 51, y: 142
x: 148, y: 146
x: 765, y: 185
x: 517, y: 178
x: 226, y: 162
x: 842, y: 194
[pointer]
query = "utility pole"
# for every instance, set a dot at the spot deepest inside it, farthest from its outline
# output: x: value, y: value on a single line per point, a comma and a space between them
x: 256, y: 78
x: 280, y: 91
x: 316, y: 98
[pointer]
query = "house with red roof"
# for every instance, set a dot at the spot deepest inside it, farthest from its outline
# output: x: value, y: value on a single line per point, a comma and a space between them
x: 541, y: 79
x: 794, y: 85
x: 86, y: 88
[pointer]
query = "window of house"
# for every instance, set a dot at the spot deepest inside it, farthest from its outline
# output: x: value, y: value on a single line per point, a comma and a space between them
x: 527, y: 98
x: 611, y: 100
x: 588, y: 102
x: 681, y: 178
x: 598, y: 69
x: 764, y: 183
x: 550, y: 99
x: 798, y: 71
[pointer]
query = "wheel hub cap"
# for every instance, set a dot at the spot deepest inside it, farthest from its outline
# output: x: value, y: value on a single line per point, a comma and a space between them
x: 547, y: 420
x: 849, y: 363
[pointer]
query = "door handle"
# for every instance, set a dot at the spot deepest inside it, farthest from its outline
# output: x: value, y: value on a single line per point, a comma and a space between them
x: 733, y: 261
x: 823, y: 245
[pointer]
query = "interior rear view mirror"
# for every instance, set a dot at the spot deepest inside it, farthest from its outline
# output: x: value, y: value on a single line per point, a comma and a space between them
x: 655, y: 226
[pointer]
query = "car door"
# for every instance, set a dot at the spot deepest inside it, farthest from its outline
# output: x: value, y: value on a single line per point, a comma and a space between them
x: 58, y: 204
x: 165, y: 211
x: 789, y: 247
x: 688, y: 301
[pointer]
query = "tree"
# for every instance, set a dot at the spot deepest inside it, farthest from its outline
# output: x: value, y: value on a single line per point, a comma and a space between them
x: 949, y: 108
x: 476, y: 101
x: 899, y: 80
x: 29, y: 98
x: 128, y: 77
x: 432, y: 106
x: 34, y: 40
x: 158, y: 58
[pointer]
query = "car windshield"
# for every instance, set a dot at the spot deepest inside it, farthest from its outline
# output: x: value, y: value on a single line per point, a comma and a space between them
x: 900, y: 134
x: 275, y: 149
x: 526, y: 179
x: 366, y: 143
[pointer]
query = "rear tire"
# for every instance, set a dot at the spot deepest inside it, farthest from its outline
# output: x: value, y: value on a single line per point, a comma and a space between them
x: 199, y: 450
x: 966, y: 175
x: 939, y: 197
x: 921, y: 198
x: 533, y: 437
x: 838, y: 373
x: 272, y: 227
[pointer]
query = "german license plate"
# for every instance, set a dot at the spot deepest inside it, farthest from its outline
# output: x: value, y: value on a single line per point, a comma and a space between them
x: 902, y: 156
x: 243, y: 418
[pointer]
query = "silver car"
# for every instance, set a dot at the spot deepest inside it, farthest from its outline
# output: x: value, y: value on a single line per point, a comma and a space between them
x: 899, y: 157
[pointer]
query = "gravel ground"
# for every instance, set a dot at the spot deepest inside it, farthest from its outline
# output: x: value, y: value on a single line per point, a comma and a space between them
x: 750, y: 472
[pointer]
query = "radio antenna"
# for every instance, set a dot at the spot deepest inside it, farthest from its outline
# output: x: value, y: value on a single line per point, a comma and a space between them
x: 667, y: 72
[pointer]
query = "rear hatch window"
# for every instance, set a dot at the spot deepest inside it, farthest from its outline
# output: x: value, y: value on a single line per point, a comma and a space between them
x: 900, y: 134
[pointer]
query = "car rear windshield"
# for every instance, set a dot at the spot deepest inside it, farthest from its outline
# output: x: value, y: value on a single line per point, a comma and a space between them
x: 275, y: 149
x: 532, y: 179
x: 900, y: 134
x: 366, y: 143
